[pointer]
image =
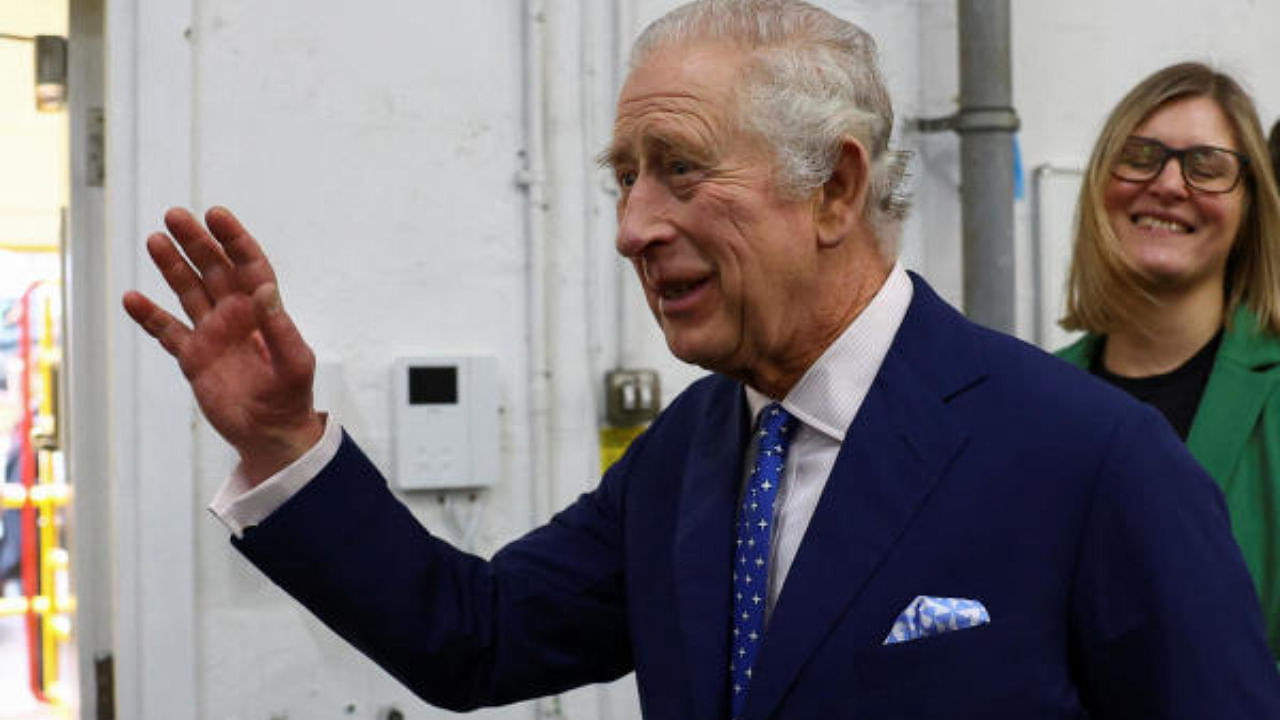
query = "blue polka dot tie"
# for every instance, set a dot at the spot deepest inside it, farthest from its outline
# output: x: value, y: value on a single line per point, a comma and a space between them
x: 751, y: 557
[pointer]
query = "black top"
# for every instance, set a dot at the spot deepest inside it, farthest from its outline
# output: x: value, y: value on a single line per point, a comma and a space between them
x: 1176, y: 394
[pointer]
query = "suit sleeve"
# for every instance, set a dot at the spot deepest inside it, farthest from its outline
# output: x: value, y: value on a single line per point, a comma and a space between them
x: 1166, y: 620
x: 547, y: 613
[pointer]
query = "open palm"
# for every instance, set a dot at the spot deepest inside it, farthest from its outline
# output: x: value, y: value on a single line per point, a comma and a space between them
x: 249, y: 368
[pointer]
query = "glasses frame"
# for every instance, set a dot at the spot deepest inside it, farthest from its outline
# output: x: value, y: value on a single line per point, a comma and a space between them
x: 1180, y: 155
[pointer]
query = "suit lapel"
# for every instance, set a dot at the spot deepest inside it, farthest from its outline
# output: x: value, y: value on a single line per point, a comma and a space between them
x: 704, y: 548
x: 1238, y: 388
x: 894, y: 454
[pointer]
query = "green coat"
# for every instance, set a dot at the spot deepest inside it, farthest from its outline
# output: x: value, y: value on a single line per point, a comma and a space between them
x: 1236, y: 436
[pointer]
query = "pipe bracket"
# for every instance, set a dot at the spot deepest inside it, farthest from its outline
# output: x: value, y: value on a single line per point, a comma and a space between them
x: 974, y: 119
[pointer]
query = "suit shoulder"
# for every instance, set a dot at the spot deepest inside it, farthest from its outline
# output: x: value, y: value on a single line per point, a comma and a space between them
x: 1026, y: 374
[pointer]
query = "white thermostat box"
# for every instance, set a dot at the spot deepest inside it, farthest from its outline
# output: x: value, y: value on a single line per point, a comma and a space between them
x: 445, y: 420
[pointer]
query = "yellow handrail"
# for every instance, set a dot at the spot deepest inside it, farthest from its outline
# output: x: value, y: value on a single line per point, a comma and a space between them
x: 40, y: 604
x: 53, y: 559
x: 13, y: 496
x: 20, y: 247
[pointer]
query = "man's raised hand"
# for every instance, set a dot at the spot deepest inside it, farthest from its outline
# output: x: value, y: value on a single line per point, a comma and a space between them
x: 248, y: 366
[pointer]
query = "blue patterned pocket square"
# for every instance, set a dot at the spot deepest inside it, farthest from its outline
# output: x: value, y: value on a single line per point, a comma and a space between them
x: 928, y: 616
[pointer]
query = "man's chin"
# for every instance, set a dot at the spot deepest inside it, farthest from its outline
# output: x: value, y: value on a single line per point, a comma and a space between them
x: 701, y: 354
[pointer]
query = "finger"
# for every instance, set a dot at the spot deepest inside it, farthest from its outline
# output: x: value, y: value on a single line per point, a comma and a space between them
x: 180, y: 276
x: 252, y: 268
x: 172, y: 334
x: 206, y: 254
x: 290, y: 354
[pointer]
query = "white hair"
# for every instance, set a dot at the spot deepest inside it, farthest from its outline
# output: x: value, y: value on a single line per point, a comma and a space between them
x: 813, y: 80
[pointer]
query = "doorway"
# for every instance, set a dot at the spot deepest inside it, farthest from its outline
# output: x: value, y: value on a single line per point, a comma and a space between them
x: 38, y: 659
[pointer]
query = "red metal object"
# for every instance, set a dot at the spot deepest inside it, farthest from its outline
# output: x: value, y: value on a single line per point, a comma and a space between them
x: 30, y: 549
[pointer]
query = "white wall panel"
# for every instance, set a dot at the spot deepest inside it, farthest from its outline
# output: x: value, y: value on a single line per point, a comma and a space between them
x: 373, y: 149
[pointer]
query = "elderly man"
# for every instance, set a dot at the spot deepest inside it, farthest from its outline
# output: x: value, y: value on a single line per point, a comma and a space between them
x: 871, y: 509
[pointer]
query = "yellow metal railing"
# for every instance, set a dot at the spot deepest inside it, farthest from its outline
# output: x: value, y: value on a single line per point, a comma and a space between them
x: 40, y: 604
x: 13, y: 496
x: 54, y: 560
x: 42, y: 497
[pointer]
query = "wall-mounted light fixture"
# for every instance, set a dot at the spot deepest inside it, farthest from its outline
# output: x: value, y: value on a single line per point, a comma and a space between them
x: 51, y: 69
x: 51, y: 73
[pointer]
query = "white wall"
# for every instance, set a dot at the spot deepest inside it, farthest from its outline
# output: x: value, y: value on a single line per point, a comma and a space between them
x: 88, y: 360
x: 374, y: 150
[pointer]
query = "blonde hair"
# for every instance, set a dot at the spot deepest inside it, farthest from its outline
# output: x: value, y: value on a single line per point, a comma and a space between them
x: 1274, y: 141
x: 1103, y: 287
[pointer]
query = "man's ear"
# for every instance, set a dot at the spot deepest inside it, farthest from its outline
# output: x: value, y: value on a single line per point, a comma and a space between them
x: 839, y: 204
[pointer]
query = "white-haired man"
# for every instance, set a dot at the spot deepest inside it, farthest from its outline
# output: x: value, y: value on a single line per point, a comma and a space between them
x: 871, y: 509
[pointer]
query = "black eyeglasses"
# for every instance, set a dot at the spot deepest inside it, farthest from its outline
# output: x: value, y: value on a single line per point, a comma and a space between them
x: 1205, y: 168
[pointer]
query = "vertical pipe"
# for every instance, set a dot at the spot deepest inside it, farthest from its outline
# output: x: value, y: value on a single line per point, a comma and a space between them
x: 27, y: 470
x: 623, y: 30
x: 534, y: 181
x: 986, y: 160
x: 1038, y: 329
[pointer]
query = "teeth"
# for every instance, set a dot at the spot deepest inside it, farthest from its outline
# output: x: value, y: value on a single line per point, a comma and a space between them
x: 1146, y: 221
x: 672, y: 292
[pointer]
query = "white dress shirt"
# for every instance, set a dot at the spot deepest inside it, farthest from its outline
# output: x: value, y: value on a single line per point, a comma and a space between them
x: 240, y: 506
x: 825, y: 401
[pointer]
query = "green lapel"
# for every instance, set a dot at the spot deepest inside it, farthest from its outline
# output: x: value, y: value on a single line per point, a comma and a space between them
x: 1080, y: 353
x: 1238, y: 387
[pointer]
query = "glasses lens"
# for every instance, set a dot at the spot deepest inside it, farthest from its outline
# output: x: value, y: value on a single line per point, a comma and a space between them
x: 1211, y: 169
x: 1204, y: 167
x: 1139, y: 159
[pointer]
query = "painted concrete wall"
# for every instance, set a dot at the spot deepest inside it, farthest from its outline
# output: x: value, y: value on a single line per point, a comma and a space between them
x: 379, y: 153
x: 373, y: 148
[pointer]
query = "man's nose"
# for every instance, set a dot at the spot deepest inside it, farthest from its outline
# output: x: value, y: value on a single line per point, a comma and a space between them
x: 643, y: 217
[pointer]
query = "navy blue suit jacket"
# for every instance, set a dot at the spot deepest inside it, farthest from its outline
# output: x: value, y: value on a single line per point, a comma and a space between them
x: 978, y: 467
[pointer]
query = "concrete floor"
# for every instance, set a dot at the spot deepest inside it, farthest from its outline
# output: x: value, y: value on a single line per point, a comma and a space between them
x: 16, y: 700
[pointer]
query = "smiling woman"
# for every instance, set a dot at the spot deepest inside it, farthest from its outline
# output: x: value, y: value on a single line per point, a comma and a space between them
x: 1176, y: 277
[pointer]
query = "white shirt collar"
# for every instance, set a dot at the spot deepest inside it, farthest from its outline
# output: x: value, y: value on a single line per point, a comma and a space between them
x: 828, y: 395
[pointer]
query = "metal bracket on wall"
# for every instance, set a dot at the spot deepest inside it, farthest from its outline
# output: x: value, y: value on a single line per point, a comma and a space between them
x: 95, y: 170
x: 104, y: 680
x: 975, y: 119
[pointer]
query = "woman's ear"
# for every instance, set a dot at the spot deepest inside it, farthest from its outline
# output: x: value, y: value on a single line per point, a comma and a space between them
x: 840, y: 202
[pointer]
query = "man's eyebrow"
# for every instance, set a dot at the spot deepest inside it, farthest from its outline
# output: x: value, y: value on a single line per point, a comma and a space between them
x: 612, y: 154
x: 619, y: 151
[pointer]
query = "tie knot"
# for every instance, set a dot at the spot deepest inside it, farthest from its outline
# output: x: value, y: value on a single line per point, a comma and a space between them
x: 776, y: 423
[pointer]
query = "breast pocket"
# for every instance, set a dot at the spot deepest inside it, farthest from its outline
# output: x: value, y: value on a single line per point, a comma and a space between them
x: 936, y: 661
x: 999, y: 670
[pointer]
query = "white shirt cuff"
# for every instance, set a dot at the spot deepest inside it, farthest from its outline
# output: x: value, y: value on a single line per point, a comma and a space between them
x: 240, y: 506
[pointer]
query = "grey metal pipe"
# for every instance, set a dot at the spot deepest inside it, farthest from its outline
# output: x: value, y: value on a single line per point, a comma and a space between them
x: 986, y: 123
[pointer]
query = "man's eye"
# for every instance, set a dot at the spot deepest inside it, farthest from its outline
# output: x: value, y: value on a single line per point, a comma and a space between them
x: 680, y: 167
x: 626, y: 178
